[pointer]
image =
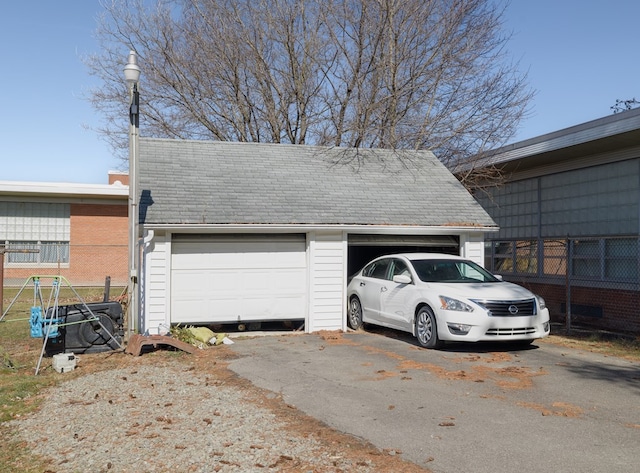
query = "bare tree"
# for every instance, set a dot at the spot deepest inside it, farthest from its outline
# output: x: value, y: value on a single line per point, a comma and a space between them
x: 399, y: 74
x: 624, y: 105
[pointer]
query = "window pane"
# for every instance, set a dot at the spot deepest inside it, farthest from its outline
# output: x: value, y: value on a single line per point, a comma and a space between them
x: 22, y: 257
x: 555, y: 257
x: 488, y: 260
x: 621, y: 259
x: 31, y: 252
x: 380, y: 269
x: 54, y: 252
x: 621, y: 270
x: 503, y: 262
x: 399, y: 268
x: 622, y: 248
x: 504, y: 248
x: 587, y: 268
x: 588, y: 248
x: 527, y: 256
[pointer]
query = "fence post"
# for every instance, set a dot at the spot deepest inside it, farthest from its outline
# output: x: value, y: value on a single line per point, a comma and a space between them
x: 107, y: 289
x: 569, y: 267
x: 1, y: 280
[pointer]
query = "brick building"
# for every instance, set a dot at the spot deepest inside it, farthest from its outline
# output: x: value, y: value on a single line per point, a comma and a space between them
x: 78, y: 231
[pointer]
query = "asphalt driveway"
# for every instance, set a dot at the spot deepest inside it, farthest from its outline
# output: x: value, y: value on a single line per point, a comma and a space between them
x: 467, y: 408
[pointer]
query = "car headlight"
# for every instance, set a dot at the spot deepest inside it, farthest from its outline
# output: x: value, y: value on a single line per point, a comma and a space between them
x: 447, y: 303
x: 541, y: 303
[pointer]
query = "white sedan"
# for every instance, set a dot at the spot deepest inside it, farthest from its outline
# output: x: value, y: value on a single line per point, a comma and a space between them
x: 441, y: 298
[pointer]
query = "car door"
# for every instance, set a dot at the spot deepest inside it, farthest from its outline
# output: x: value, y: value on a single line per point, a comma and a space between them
x: 396, y: 299
x: 374, y: 278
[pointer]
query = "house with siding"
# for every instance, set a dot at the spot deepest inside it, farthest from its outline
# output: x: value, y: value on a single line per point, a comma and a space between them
x: 253, y: 232
x: 569, y: 218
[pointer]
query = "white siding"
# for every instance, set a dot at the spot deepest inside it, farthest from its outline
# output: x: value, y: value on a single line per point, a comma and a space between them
x: 327, y: 257
x: 472, y: 247
x: 156, y: 284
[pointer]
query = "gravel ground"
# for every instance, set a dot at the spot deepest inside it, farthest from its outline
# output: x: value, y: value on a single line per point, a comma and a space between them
x: 172, y: 416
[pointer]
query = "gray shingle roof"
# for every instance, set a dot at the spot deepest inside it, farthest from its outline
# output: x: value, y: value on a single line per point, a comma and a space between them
x: 210, y: 182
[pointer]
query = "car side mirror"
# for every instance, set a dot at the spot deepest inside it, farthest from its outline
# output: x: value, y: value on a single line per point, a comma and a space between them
x: 402, y: 279
x: 498, y: 277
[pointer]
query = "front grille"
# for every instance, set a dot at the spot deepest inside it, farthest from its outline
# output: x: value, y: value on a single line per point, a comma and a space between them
x: 510, y: 331
x: 509, y: 308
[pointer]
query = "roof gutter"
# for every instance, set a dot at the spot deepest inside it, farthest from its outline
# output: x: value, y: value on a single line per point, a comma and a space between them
x: 297, y: 228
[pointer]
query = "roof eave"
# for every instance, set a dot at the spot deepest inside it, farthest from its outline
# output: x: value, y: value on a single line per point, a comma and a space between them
x: 611, y: 132
x: 63, y: 189
x: 296, y: 228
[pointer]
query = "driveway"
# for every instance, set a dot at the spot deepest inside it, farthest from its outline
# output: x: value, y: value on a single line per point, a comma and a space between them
x: 467, y: 408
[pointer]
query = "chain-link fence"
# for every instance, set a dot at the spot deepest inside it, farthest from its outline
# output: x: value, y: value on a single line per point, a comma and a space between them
x: 82, y: 265
x: 94, y: 271
x: 585, y: 281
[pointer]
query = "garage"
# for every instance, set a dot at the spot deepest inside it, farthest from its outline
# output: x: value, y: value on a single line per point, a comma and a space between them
x: 238, y: 278
x: 363, y: 248
x: 238, y: 233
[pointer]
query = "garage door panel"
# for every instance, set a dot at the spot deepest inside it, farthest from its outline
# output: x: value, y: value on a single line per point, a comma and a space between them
x: 188, y: 255
x: 218, y: 282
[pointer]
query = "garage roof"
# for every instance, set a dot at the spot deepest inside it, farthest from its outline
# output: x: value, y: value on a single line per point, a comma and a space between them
x: 210, y: 182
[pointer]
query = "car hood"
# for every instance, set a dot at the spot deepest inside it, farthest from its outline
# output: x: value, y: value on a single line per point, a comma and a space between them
x: 500, y: 291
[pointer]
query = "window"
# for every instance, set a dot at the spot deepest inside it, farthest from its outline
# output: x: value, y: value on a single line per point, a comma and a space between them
x: 377, y: 269
x: 37, y: 253
x: 399, y: 268
x: 519, y: 257
x: 601, y: 260
x: 621, y: 259
x: 586, y: 258
x: 40, y: 231
x: 503, y: 262
x: 554, y: 257
x: 526, y: 258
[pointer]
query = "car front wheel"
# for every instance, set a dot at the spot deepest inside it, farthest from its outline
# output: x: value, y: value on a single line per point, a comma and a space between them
x: 427, y: 329
x: 354, y: 318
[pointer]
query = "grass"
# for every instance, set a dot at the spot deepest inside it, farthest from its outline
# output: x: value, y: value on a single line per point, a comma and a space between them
x: 19, y: 355
x: 597, y: 341
x: 19, y: 387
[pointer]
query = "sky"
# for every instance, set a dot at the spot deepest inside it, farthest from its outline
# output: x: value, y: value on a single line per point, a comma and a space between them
x: 579, y: 55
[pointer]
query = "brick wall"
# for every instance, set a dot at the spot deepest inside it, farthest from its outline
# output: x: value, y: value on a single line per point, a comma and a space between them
x: 99, y: 236
x: 619, y: 309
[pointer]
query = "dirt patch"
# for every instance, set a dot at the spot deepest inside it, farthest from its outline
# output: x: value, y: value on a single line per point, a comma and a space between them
x: 387, y: 353
x: 506, y: 378
x: 335, y: 338
x: 512, y: 377
x: 559, y: 409
x: 493, y: 357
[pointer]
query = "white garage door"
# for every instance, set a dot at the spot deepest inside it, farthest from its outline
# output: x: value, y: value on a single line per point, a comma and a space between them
x: 238, y: 278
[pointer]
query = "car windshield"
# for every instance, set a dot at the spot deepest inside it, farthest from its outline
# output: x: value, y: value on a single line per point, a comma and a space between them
x: 453, y: 271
